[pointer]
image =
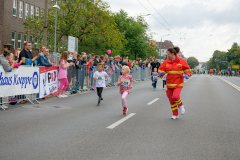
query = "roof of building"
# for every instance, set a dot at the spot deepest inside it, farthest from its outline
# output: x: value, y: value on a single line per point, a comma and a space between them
x: 165, y: 45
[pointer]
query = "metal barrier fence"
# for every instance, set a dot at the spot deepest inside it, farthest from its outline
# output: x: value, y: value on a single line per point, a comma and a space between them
x: 81, y: 80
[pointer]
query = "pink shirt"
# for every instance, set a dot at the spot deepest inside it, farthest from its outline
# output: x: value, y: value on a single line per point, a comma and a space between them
x: 62, y: 72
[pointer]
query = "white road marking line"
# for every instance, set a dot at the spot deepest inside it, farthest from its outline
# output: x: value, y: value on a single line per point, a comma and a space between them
x: 153, y: 101
x: 120, y: 121
x: 231, y: 84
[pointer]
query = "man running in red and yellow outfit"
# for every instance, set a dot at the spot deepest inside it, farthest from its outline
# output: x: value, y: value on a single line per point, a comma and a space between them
x: 175, y: 67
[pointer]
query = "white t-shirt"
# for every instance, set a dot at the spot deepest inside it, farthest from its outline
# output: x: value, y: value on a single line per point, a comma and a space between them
x: 101, y: 76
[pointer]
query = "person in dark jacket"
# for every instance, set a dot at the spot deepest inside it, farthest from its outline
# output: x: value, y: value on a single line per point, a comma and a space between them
x: 26, y: 55
x: 43, y: 59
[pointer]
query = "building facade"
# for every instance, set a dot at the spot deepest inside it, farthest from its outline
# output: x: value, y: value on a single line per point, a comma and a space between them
x: 163, y: 47
x: 13, y: 13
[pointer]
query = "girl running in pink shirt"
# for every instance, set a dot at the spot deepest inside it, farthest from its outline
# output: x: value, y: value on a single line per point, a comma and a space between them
x: 62, y: 74
x: 125, y: 82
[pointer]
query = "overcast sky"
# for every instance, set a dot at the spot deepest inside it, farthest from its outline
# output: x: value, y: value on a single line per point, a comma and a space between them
x: 203, y: 25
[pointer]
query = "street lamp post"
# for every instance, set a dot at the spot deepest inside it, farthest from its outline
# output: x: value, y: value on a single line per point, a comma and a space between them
x: 54, y: 54
x: 161, y: 47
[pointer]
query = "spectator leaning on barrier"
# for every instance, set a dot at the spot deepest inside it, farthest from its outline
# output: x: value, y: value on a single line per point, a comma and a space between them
x: 96, y: 60
x: 107, y: 60
x: 42, y: 49
x: 83, y: 61
x: 6, y: 66
x: 62, y: 74
x: 43, y: 58
x: 140, y: 63
x: 4, y: 61
x: 26, y: 54
x: 124, y: 63
x: 102, y: 59
x: 11, y: 61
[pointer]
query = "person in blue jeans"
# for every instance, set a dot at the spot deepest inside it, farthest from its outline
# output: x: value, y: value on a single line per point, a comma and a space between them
x: 154, y: 78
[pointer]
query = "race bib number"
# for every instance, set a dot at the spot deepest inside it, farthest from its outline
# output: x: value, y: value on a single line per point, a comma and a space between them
x: 126, y: 82
x: 155, y: 77
x: 99, y: 78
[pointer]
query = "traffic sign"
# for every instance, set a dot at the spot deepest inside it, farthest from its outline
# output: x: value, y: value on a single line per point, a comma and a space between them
x: 235, y: 66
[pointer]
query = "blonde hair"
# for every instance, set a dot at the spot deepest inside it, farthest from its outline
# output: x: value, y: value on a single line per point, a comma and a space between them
x: 84, y: 57
x: 125, y: 61
x: 128, y: 69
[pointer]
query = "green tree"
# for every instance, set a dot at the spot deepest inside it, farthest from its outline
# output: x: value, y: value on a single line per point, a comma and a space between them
x: 218, y: 60
x: 233, y: 55
x: 153, y: 50
x: 192, y: 62
x: 134, y: 30
x: 91, y: 23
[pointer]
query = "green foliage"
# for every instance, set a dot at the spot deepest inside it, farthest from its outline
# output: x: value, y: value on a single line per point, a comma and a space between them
x: 153, y: 50
x: 233, y: 55
x: 220, y: 62
x: 91, y: 23
x: 136, y: 42
x: 225, y: 59
x: 192, y: 62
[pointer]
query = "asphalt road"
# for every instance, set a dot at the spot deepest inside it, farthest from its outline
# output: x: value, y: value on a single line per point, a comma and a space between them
x: 74, y: 128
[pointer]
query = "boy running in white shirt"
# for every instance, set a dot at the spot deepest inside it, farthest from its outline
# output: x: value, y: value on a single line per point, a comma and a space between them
x: 100, y: 77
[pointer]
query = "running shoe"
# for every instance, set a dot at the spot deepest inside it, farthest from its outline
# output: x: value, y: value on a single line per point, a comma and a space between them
x: 174, y: 117
x: 60, y: 96
x: 125, y: 109
x: 5, y: 107
x: 99, y: 101
x: 182, y: 110
x: 64, y: 95
x: 101, y: 98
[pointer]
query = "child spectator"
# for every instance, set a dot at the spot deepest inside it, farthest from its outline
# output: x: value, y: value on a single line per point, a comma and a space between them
x: 89, y: 68
x: 62, y: 75
x: 11, y: 61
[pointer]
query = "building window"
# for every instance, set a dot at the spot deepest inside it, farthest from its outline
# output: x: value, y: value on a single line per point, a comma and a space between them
x: 15, y: 8
x: 25, y: 38
x: 19, y: 40
x: 37, y: 12
x: 13, y: 39
x: 26, y: 10
x: 32, y: 11
x: 21, y: 9
x: 162, y: 51
x: 36, y: 42
x: 31, y: 38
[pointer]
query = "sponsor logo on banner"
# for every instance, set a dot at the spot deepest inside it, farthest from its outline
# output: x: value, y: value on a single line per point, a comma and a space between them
x: 48, y: 81
x: 19, y: 81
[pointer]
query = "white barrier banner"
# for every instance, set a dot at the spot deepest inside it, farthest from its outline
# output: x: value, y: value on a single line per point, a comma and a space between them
x: 24, y: 80
x: 48, y: 81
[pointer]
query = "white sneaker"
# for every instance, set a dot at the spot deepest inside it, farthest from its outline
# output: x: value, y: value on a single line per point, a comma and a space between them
x: 182, y: 110
x: 64, y: 95
x: 174, y: 117
x: 60, y: 96
x: 5, y: 107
